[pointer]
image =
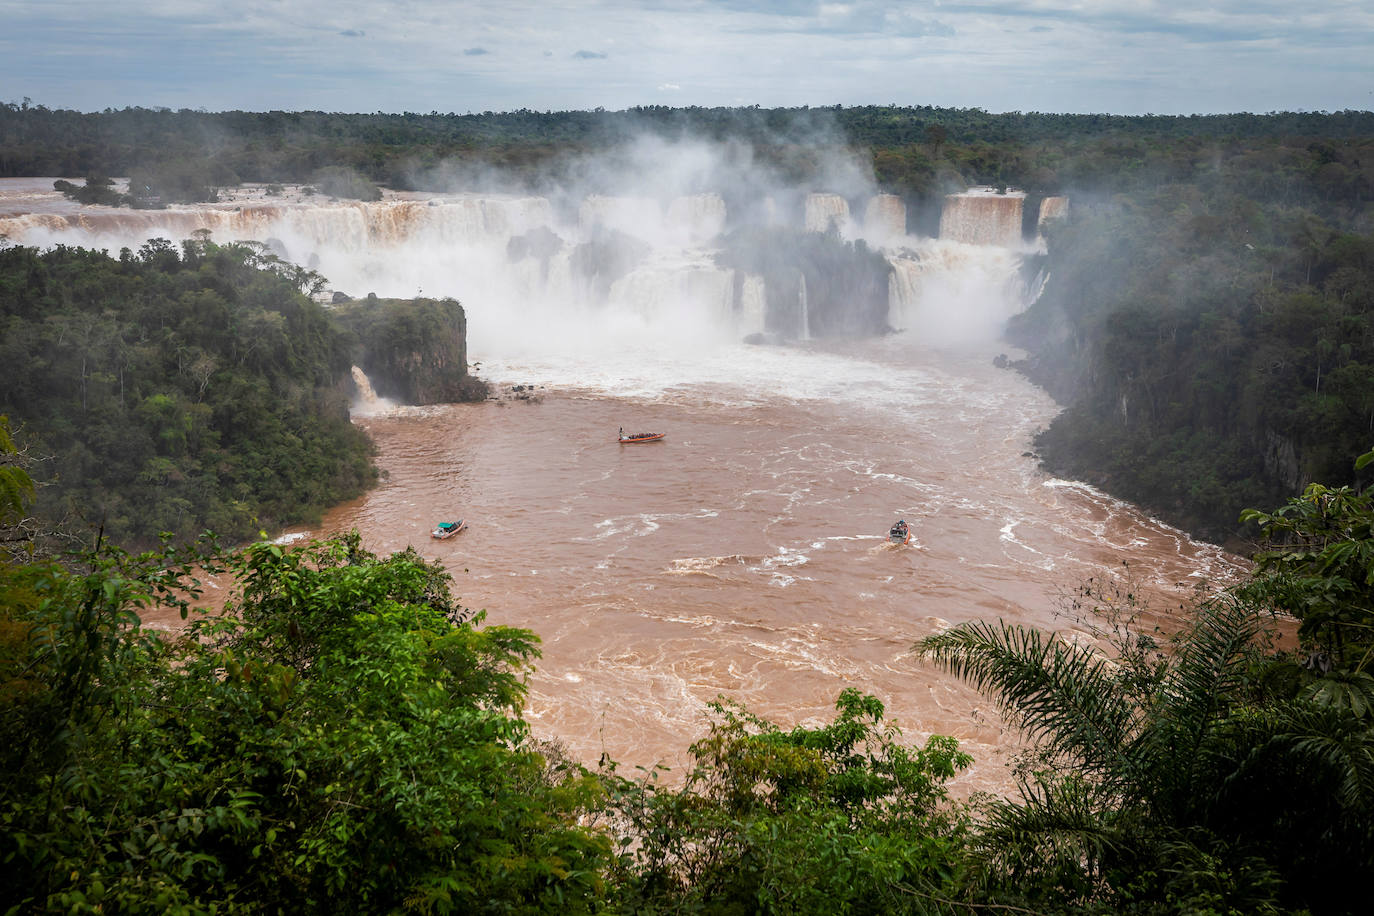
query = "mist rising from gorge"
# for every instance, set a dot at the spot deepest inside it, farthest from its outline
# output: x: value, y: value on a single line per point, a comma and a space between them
x: 659, y: 251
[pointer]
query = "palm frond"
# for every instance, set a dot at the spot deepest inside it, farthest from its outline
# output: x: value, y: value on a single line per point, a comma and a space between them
x: 1193, y: 699
x: 1062, y: 694
x: 1066, y: 826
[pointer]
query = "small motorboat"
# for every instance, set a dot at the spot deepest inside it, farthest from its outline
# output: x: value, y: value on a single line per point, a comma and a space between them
x: 446, y: 530
x: 900, y: 533
x: 636, y: 438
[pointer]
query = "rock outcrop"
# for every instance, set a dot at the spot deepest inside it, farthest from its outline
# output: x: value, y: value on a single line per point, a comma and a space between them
x: 413, y: 350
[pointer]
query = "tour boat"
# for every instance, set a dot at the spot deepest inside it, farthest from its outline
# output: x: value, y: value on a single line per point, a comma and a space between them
x: 445, y: 530
x: 635, y: 438
x: 900, y: 533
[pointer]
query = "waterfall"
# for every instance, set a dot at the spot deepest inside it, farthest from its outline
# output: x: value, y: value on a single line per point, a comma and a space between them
x: 824, y: 211
x: 1052, y: 208
x: 981, y: 216
x: 625, y: 271
x: 753, y: 305
x: 884, y: 218
x: 635, y: 216
x: 365, y: 392
x: 670, y: 291
x: 951, y: 293
x: 367, y: 402
x: 698, y: 217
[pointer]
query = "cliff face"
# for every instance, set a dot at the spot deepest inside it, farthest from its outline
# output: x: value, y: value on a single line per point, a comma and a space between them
x: 413, y: 350
x: 816, y: 284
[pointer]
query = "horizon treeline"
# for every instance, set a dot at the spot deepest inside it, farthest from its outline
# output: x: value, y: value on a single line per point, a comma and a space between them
x: 406, y: 151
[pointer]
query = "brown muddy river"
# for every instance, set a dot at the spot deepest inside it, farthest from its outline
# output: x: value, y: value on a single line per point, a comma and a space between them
x: 745, y: 554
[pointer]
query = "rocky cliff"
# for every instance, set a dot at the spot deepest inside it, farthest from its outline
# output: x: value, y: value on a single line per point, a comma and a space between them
x: 413, y: 350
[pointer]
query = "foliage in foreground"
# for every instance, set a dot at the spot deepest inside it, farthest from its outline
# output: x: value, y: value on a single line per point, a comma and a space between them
x: 1219, y: 776
x: 344, y: 741
x: 348, y: 738
x: 837, y: 819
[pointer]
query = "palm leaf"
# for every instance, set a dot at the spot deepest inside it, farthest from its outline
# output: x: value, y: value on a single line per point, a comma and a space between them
x: 1333, y: 743
x: 1193, y: 699
x: 1065, y: 826
x: 1063, y: 695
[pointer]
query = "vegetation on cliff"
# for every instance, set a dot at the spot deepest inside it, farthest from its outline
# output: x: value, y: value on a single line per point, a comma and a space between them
x: 413, y: 350
x: 1212, y: 336
x: 175, y: 390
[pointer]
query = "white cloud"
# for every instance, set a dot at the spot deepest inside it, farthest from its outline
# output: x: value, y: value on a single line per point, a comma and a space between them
x: 1051, y: 55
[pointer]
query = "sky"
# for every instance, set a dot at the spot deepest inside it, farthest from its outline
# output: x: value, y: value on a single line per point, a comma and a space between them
x: 1113, y: 56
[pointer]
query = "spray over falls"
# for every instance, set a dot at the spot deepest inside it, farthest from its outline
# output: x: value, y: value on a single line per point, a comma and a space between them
x: 672, y: 269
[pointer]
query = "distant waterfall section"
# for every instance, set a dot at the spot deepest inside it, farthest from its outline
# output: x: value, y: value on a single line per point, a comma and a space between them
x: 604, y: 273
x: 960, y: 289
x: 983, y: 216
x: 366, y: 403
x: 826, y: 213
x: 884, y: 219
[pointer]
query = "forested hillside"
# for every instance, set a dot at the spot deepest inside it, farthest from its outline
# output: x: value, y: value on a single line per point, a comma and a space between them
x: 1213, y: 335
x: 175, y: 389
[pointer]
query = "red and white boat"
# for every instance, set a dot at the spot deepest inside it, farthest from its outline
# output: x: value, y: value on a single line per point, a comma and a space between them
x: 636, y: 438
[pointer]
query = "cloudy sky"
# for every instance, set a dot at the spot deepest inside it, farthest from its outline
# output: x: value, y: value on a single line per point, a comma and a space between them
x: 1121, y: 56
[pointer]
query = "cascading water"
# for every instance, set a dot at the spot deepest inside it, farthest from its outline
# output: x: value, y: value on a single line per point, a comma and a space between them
x: 1052, y: 208
x: 825, y: 212
x: 983, y: 216
x: 950, y: 293
x: 884, y: 219
x: 367, y: 403
x: 648, y: 279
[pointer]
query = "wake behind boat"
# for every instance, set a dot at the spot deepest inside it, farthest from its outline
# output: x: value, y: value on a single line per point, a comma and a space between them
x: 635, y: 438
x: 445, y: 530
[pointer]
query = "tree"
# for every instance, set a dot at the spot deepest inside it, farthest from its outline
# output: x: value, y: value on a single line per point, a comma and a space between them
x: 836, y: 819
x: 347, y: 738
x: 16, y: 487
x: 1177, y: 778
x: 1319, y: 567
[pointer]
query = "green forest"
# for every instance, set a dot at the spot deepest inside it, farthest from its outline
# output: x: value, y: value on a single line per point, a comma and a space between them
x: 344, y: 736
x: 1213, y: 341
x: 176, y: 389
